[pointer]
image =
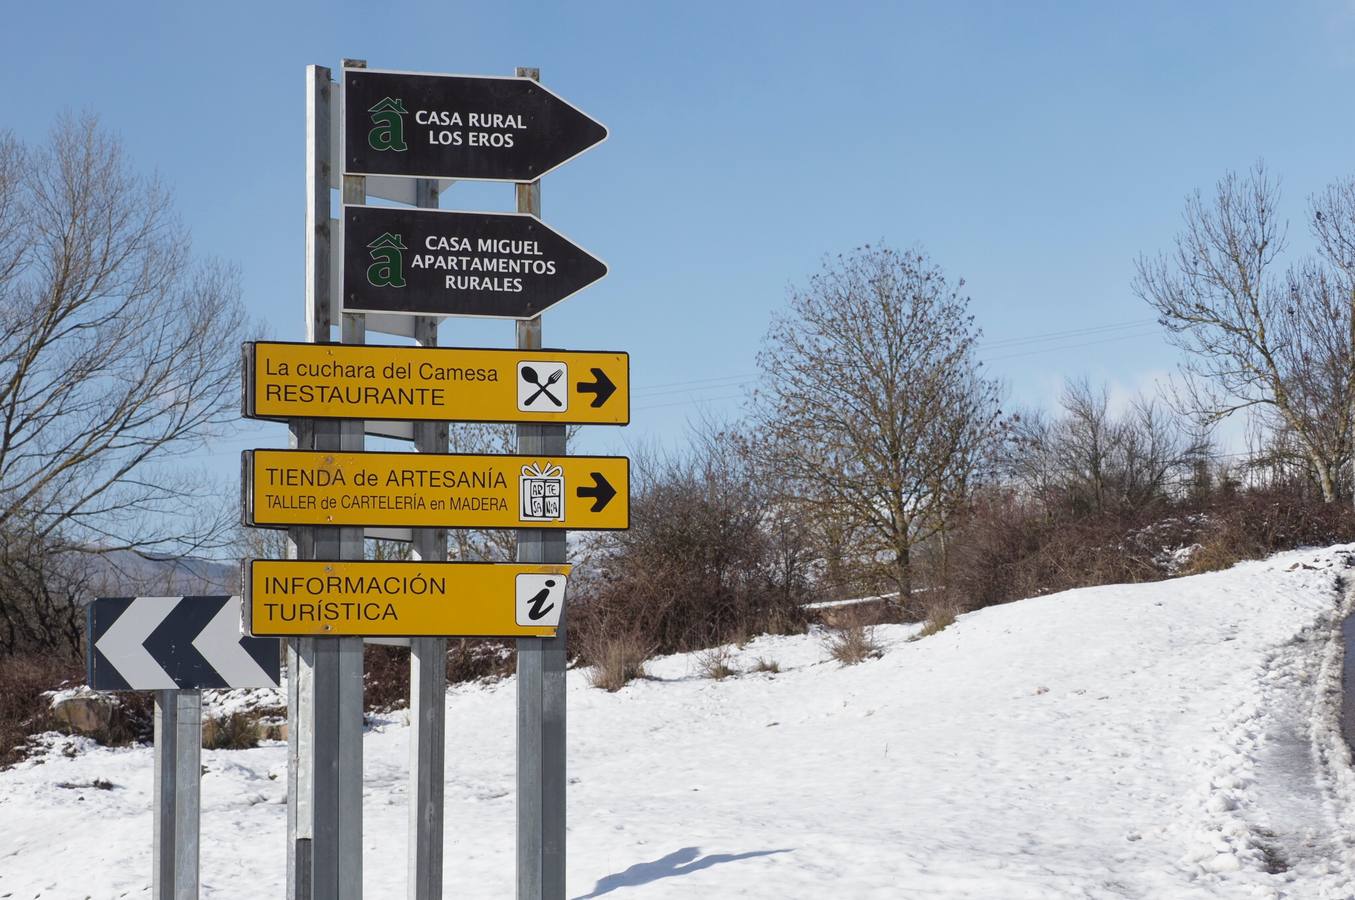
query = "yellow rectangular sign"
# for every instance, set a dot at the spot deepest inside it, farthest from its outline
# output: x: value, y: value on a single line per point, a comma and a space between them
x: 435, y: 490
x: 405, y: 599
x: 364, y: 381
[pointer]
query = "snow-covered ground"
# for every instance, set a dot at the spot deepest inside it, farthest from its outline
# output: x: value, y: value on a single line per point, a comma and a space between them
x: 1164, y: 740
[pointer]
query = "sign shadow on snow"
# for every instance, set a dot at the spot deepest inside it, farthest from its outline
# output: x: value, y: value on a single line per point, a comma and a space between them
x: 679, y: 862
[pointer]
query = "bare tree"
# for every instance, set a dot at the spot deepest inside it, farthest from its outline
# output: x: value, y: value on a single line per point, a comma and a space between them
x: 119, y: 355
x: 710, y: 555
x: 874, y: 406
x: 1279, y: 343
x: 1090, y: 460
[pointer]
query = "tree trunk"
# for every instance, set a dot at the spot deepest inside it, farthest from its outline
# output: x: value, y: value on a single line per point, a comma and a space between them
x: 903, y: 575
x: 1324, y: 479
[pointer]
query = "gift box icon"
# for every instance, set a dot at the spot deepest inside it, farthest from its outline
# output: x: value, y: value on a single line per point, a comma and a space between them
x: 542, y: 493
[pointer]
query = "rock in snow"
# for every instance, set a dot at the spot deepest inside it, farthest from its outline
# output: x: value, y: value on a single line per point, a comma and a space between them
x: 1177, y: 739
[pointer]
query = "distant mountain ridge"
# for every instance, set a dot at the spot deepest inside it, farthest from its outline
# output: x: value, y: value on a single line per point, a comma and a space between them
x: 127, y: 572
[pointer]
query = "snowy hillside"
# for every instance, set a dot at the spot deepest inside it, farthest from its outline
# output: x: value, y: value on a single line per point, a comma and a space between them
x: 1160, y: 740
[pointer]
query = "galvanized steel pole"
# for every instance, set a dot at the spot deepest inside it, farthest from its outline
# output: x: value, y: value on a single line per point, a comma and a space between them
x: 541, y: 667
x: 178, y: 780
x: 325, y: 675
x: 427, y: 668
x: 301, y: 541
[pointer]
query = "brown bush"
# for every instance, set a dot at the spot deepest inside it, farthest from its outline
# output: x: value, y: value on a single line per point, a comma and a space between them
x: 1008, y: 547
x: 853, y: 640
x: 25, y: 711
x: 709, y: 557
x: 716, y: 663
x: 471, y: 660
x: 941, y: 614
x: 764, y: 664
x: 1255, y: 524
x: 237, y: 731
x: 615, y: 660
x: 1212, y: 556
x: 385, y: 678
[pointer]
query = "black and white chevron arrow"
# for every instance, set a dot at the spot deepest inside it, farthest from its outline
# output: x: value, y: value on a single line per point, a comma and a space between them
x: 168, y: 643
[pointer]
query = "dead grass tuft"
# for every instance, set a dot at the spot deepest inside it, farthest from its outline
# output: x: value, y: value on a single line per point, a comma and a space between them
x: 237, y: 731
x: 716, y: 663
x: 940, y: 616
x: 616, y: 660
x: 853, y: 643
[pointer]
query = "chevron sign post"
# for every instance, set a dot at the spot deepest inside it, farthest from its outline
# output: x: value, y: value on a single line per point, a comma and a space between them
x: 175, y: 643
x: 176, y: 647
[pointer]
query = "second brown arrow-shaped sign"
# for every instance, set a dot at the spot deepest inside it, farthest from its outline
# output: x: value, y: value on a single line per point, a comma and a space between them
x: 436, y: 262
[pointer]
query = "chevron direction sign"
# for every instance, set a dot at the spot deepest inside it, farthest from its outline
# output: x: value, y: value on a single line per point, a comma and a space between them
x: 288, y: 597
x: 435, y: 490
x: 450, y: 263
x: 175, y: 643
x: 457, y: 126
x: 357, y: 381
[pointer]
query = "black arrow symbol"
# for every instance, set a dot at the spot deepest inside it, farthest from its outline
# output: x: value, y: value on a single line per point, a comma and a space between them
x: 601, y: 387
x: 601, y: 492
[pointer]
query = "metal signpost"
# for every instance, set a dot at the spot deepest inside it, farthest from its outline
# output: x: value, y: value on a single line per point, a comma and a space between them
x: 541, y: 778
x: 427, y: 654
x: 175, y: 646
x: 403, y: 270
x: 324, y: 686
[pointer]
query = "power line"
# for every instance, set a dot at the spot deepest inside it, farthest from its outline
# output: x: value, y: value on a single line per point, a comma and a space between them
x: 1132, y: 329
x: 1059, y: 335
x: 1127, y: 331
x: 1119, y: 337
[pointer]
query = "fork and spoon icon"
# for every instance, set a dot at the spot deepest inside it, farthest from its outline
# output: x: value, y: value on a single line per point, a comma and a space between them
x: 530, y: 376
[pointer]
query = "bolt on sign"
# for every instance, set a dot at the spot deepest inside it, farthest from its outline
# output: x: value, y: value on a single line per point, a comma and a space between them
x: 364, y: 381
x: 405, y: 599
x: 454, y: 126
x: 446, y: 263
x: 435, y: 490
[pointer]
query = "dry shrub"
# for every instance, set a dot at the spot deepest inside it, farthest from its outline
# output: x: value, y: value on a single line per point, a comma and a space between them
x: 385, y: 674
x: 472, y: 660
x: 1214, y: 555
x: 1008, y: 547
x: 852, y: 644
x: 853, y: 640
x: 785, y: 619
x: 237, y: 731
x: 385, y: 678
x: 25, y: 710
x: 615, y: 660
x: 709, y: 557
x: 941, y: 614
x: 716, y: 663
x: 1254, y: 524
x: 770, y: 666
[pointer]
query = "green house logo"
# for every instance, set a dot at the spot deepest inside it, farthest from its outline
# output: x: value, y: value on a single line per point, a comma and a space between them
x: 388, y: 126
x: 388, y: 268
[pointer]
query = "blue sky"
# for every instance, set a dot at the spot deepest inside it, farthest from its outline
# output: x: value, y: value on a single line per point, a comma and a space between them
x: 1033, y: 148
